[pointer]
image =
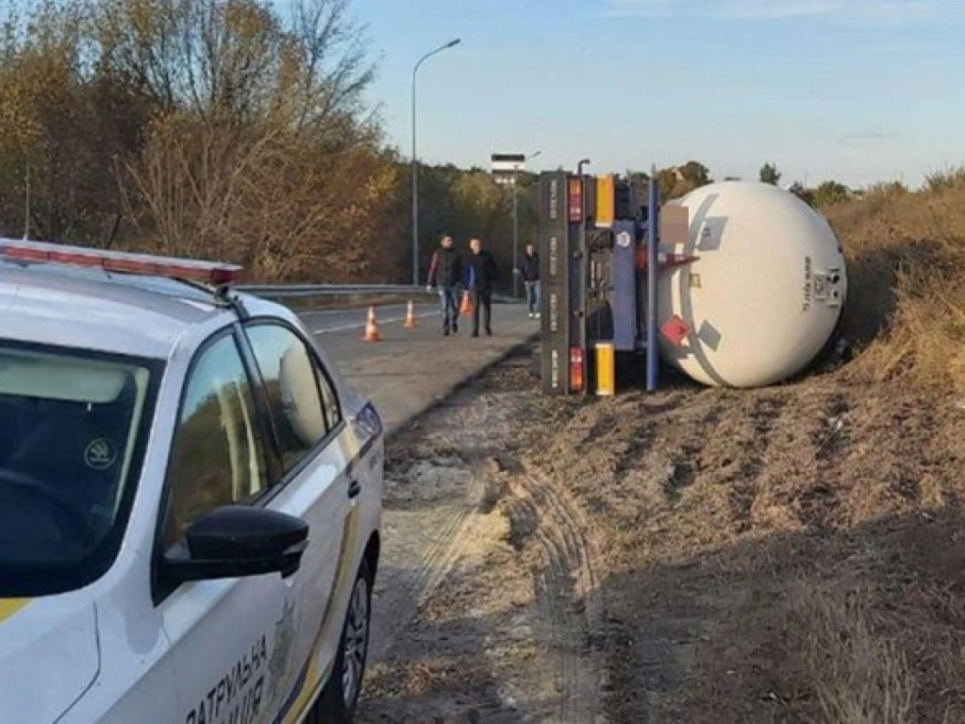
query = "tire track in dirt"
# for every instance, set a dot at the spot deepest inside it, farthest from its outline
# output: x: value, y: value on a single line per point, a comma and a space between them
x: 568, y: 604
x: 557, y: 594
x: 403, y: 590
x: 830, y: 440
x: 754, y: 438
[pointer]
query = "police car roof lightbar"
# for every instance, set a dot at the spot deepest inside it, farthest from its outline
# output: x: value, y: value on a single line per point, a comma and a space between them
x: 121, y: 262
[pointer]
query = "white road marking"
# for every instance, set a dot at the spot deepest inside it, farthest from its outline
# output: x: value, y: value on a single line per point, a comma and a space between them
x: 324, y: 312
x: 361, y: 325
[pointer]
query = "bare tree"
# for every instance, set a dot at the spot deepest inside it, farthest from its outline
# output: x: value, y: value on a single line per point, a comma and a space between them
x: 334, y: 65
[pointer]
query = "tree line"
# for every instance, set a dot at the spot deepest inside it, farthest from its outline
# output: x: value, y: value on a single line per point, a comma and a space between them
x: 228, y: 129
x: 221, y: 129
x: 210, y: 128
x: 676, y: 181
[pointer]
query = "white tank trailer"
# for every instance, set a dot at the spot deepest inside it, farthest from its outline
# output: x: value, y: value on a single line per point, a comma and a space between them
x: 765, y: 292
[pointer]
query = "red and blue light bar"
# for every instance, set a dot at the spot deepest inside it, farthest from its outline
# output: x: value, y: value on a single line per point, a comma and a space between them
x: 121, y: 261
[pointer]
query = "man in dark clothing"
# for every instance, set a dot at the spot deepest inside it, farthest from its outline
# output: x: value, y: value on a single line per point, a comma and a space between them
x: 529, y: 271
x: 482, y: 277
x: 445, y: 271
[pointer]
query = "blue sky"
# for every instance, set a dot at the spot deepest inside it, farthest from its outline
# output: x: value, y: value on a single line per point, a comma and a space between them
x: 856, y: 90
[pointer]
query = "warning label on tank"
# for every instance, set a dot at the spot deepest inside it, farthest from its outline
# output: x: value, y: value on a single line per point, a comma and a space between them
x: 808, y: 284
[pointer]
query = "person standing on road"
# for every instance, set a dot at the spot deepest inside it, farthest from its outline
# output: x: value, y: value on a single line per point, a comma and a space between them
x: 482, y: 277
x: 445, y: 272
x: 528, y: 269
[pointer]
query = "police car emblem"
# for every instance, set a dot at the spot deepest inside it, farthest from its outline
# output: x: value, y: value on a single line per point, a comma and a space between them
x: 100, y: 454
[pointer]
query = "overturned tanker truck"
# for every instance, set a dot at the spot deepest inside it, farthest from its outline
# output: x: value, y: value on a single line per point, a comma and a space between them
x: 737, y: 284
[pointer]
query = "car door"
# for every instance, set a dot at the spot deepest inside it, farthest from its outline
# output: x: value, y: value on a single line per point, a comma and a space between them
x: 315, y: 487
x: 230, y: 657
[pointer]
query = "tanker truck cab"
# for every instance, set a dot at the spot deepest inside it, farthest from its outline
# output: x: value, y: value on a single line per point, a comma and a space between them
x: 190, y: 499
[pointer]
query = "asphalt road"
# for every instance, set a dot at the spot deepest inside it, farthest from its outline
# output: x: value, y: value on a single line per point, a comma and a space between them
x: 409, y: 370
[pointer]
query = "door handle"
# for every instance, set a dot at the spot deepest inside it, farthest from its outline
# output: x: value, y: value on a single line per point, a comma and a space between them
x: 354, y: 488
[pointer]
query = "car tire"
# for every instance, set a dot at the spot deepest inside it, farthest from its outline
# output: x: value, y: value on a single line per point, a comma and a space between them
x: 336, y: 704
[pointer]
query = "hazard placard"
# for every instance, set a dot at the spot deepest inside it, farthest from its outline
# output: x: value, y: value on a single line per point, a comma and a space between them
x: 675, y: 330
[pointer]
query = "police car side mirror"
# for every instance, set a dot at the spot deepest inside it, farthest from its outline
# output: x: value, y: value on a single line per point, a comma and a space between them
x: 234, y: 541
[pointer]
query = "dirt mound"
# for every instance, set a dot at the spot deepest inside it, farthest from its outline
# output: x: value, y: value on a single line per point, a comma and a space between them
x: 766, y: 550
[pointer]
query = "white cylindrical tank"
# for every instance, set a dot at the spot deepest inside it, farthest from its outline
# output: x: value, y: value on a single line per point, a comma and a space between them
x: 766, y: 292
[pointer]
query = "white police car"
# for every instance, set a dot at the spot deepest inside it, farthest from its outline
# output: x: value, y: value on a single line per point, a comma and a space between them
x: 190, y: 499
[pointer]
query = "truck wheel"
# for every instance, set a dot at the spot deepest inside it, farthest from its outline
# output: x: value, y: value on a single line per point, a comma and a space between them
x: 337, y: 702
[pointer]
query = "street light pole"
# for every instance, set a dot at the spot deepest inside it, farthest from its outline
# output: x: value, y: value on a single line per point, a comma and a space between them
x: 516, y: 224
x: 415, y: 163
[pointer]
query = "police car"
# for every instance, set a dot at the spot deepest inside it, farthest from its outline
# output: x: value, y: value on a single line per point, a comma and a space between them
x: 190, y: 499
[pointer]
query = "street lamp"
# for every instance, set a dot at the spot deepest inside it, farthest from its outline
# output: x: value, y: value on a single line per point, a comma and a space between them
x: 516, y: 224
x: 415, y: 164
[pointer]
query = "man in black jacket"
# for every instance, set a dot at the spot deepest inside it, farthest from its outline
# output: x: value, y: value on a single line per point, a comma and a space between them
x: 445, y: 271
x: 529, y: 271
x: 482, y: 278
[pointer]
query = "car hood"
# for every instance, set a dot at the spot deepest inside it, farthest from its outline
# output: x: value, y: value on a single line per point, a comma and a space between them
x: 48, y: 655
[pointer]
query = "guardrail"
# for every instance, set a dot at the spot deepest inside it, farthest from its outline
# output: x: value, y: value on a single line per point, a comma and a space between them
x: 318, y: 290
x: 295, y: 291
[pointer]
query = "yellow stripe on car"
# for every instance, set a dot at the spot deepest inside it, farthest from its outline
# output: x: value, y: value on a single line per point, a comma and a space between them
x: 9, y: 606
x: 344, y: 578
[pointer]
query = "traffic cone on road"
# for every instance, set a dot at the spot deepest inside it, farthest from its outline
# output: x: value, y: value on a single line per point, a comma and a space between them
x: 371, y: 327
x: 410, y: 317
x: 466, y: 306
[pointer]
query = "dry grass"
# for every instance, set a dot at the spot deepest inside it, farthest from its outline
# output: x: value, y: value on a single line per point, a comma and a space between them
x: 858, y: 675
x: 906, y: 257
x: 797, y: 554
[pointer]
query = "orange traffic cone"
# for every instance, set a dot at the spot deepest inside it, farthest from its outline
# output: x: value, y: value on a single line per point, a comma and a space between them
x: 410, y: 317
x: 371, y: 327
x: 466, y: 306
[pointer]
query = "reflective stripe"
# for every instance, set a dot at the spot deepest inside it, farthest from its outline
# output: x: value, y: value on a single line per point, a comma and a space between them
x: 310, y: 679
x: 9, y: 606
x: 300, y: 697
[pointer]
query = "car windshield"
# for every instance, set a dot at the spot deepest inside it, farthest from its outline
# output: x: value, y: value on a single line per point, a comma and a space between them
x: 71, y: 426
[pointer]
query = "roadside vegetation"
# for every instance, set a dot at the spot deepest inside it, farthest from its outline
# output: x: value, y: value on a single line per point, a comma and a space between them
x: 906, y: 256
x: 228, y: 129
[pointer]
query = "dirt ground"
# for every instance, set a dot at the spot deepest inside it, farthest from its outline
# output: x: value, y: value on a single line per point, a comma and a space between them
x: 791, y: 554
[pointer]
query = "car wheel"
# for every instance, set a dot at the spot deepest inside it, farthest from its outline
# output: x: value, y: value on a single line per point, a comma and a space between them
x: 340, y: 696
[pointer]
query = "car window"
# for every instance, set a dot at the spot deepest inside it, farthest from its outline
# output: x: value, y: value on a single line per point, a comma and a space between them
x: 302, y: 402
x: 333, y: 413
x: 218, y: 454
x: 69, y: 424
